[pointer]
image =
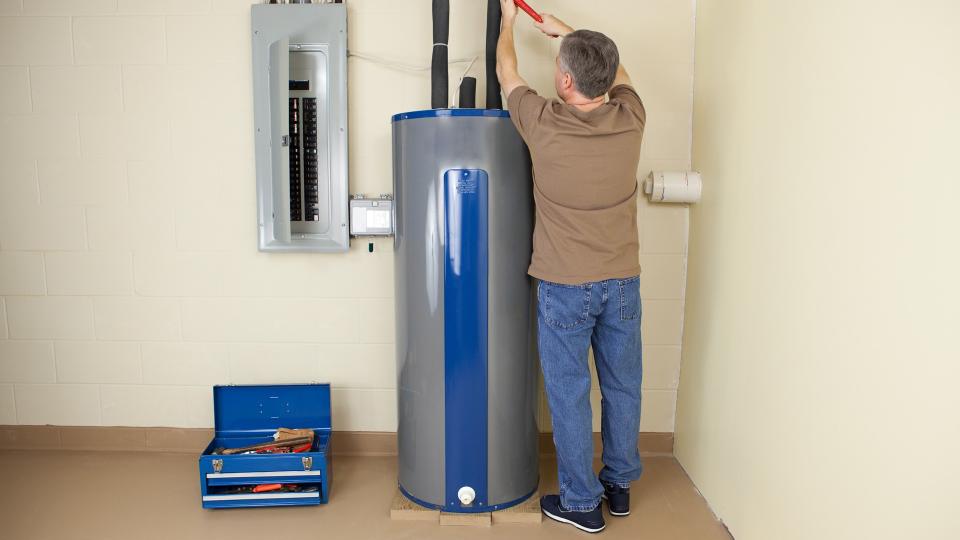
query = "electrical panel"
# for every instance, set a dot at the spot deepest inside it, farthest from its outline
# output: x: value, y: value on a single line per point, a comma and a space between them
x: 300, y: 120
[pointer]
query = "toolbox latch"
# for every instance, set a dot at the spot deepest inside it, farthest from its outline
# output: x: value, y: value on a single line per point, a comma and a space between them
x: 307, y: 463
x: 217, y: 465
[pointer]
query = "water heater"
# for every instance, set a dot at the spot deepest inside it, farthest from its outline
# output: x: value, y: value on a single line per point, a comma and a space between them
x: 465, y: 350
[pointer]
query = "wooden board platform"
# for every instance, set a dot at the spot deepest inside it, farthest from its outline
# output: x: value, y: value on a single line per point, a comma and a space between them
x: 470, y: 520
x: 403, y: 509
x: 526, y: 512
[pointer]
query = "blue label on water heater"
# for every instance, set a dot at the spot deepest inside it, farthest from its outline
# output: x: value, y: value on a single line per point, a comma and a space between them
x: 465, y: 337
x: 467, y: 183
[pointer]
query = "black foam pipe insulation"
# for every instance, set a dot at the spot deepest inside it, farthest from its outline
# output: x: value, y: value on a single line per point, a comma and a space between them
x: 439, y: 75
x: 468, y: 93
x: 493, y: 34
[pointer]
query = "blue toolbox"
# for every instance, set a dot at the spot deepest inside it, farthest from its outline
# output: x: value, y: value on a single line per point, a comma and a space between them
x: 250, y: 415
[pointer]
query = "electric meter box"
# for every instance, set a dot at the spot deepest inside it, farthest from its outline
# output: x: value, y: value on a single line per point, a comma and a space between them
x: 371, y: 217
x: 300, y: 122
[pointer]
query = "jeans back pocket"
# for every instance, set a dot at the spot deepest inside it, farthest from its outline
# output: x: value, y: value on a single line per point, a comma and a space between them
x: 630, y: 298
x: 564, y: 306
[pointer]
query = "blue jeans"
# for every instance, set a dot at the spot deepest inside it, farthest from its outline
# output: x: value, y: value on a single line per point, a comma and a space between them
x: 571, y: 318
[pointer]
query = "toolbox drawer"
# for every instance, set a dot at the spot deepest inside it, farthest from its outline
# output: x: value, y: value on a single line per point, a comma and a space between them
x: 255, y: 478
x: 249, y: 415
x: 261, y: 499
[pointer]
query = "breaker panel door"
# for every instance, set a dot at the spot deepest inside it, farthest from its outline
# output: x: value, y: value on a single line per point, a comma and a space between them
x: 280, y: 139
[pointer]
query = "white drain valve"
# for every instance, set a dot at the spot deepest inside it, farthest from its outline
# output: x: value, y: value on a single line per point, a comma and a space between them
x: 466, y: 494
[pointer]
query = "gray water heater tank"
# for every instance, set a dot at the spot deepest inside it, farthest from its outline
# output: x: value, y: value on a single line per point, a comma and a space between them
x: 466, y: 365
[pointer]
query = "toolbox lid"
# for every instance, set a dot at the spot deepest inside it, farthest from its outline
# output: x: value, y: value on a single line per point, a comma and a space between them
x: 264, y: 408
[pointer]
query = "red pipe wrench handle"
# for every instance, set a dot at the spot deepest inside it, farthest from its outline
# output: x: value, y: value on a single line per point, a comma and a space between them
x: 533, y: 14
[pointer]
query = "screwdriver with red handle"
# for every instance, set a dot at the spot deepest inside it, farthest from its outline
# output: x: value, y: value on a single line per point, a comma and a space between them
x: 530, y: 11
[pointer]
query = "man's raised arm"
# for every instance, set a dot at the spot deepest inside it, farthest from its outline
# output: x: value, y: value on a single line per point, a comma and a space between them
x: 507, y: 72
x: 553, y: 26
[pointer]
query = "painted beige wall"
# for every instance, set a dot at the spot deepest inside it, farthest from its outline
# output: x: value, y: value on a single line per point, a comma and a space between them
x: 129, y: 276
x: 818, y: 393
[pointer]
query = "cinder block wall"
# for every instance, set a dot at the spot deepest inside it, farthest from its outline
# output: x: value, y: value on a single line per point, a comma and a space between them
x: 129, y: 276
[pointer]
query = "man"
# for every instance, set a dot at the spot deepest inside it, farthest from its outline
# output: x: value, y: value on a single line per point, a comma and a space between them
x: 585, y: 150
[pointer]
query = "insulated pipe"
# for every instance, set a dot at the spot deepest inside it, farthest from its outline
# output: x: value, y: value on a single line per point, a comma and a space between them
x: 468, y: 93
x: 439, y: 76
x: 493, y: 34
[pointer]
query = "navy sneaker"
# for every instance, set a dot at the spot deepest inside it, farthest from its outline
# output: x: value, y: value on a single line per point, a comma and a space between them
x: 591, y: 521
x: 618, y: 499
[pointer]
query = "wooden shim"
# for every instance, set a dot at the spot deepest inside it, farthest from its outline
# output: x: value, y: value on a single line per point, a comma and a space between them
x: 526, y: 512
x: 403, y: 509
x: 481, y: 519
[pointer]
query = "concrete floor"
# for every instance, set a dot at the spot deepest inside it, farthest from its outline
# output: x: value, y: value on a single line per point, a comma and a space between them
x: 110, y: 495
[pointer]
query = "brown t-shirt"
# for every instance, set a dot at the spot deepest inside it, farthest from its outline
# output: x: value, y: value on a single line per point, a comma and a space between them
x: 584, y: 184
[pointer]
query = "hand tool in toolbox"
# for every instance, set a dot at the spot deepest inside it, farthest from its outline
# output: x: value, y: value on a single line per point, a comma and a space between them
x: 268, y: 488
x: 265, y: 447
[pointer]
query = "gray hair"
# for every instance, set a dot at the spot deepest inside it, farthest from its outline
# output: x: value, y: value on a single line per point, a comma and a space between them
x: 592, y: 59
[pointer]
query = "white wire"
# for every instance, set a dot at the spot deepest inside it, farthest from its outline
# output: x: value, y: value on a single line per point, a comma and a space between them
x: 411, y: 67
x: 403, y: 65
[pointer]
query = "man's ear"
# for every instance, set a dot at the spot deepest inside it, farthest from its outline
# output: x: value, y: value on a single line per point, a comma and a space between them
x: 567, y: 81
